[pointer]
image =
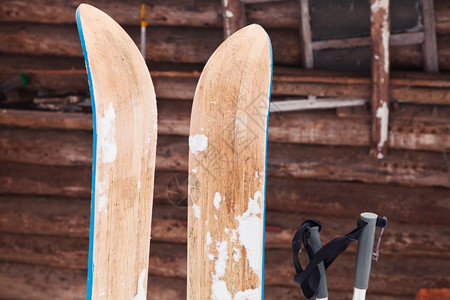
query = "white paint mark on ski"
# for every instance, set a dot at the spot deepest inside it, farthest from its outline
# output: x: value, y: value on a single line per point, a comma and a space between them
x: 196, y: 209
x: 105, y: 135
x: 248, y: 294
x: 102, y: 197
x: 219, y: 287
x: 198, y: 143
x: 139, y: 185
x: 217, y: 200
x: 142, y: 290
x: 250, y: 236
x: 208, y: 238
x: 228, y: 14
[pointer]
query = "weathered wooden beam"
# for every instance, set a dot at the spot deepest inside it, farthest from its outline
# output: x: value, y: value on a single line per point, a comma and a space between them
x: 55, y: 73
x: 399, y: 39
x: 380, y: 30
x: 284, y: 159
x: 45, y: 119
x: 170, y: 261
x: 233, y: 15
x: 25, y: 281
x: 191, y: 13
x: 429, y: 47
x: 412, y: 127
x: 442, y: 17
x: 383, y: 273
x: 169, y: 225
x: 164, y: 44
x: 306, y: 35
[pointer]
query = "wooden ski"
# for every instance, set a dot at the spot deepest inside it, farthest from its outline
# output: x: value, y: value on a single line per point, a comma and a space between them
x: 227, y: 169
x: 124, y: 112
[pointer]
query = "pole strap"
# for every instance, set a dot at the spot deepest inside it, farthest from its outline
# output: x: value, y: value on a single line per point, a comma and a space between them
x: 309, y: 277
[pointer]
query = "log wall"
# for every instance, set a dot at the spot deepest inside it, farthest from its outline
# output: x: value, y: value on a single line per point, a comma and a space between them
x: 318, y: 162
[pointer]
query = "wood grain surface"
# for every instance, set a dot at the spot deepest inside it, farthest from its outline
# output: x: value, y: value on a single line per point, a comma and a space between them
x: 227, y: 146
x: 124, y: 157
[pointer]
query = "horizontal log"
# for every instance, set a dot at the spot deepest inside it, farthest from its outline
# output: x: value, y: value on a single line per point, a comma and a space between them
x: 55, y: 73
x: 411, y: 127
x: 202, y: 13
x: 391, y: 277
x: 25, y: 281
x: 284, y: 160
x: 282, y: 14
x: 164, y: 44
x: 190, y: 45
x: 69, y: 218
x: 168, y: 260
x: 442, y: 16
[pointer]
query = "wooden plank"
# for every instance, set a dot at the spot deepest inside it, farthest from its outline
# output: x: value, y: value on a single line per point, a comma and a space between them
x: 399, y: 39
x: 384, y: 273
x: 193, y: 13
x: 429, y: 48
x: 55, y: 73
x: 300, y: 161
x: 169, y: 224
x: 161, y: 12
x: 349, y: 164
x: 164, y: 44
x: 409, y: 273
x: 25, y: 281
x: 380, y: 30
x: 442, y: 17
x: 412, y: 127
x: 45, y: 119
x: 70, y: 216
x: 233, y: 15
x: 305, y: 30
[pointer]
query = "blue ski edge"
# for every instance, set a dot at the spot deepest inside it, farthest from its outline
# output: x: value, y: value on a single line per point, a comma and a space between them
x: 265, y: 173
x: 94, y: 160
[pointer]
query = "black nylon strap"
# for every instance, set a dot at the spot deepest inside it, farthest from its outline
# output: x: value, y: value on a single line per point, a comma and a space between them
x: 309, y: 278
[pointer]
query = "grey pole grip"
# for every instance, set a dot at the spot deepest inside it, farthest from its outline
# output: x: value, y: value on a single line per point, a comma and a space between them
x: 314, y: 242
x: 365, y: 250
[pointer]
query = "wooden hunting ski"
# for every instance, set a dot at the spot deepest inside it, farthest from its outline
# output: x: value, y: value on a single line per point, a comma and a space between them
x: 227, y: 169
x: 124, y: 113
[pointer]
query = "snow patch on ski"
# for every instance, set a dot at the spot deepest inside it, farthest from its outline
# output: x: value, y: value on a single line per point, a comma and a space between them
x: 219, y: 287
x: 142, y: 291
x: 194, y: 170
x: 105, y: 135
x: 249, y: 230
x: 196, y: 209
x: 208, y: 238
x: 248, y: 294
x: 102, y: 197
x: 198, y: 143
x: 217, y: 200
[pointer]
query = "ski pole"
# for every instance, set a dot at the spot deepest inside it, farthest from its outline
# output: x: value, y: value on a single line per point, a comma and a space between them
x: 314, y: 242
x: 364, y: 256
